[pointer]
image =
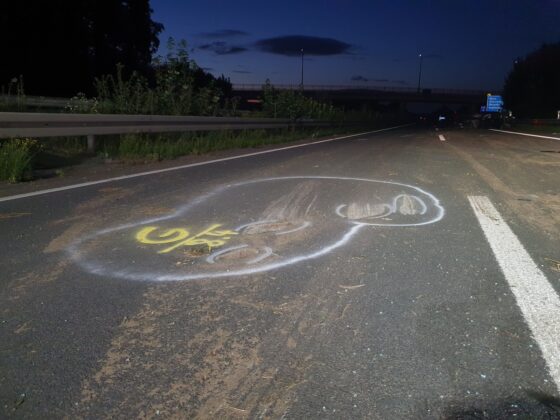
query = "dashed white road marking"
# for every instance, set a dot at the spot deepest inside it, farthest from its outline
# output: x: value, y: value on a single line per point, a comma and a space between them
x: 442, y: 137
x: 535, y: 296
x: 525, y: 134
x: 191, y: 165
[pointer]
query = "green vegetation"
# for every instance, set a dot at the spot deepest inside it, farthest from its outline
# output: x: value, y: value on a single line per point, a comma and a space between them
x: 16, y: 158
x: 178, y: 87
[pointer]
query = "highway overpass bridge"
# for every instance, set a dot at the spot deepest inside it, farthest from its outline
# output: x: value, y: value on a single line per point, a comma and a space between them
x: 357, y: 95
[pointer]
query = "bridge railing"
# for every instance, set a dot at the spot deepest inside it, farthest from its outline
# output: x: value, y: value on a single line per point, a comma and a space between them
x: 389, y: 89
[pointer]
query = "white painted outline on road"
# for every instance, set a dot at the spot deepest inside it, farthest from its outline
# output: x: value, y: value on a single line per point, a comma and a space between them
x: 441, y: 137
x: 535, y: 296
x: 267, y: 253
x: 77, y: 256
x: 190, y: 165
x: 525, y: 134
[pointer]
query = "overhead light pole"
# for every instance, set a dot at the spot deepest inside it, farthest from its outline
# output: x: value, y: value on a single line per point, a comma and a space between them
x: 301, y: 84
x: 420, y: 72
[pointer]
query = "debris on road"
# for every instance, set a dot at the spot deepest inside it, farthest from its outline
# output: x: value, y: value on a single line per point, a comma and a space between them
x: 345, y: 287
x: 554, y: 264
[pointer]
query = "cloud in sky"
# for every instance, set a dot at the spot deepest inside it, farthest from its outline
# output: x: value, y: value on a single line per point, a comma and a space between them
x: 291, y: 45
x: 223, y: 33
x: 222, y: 48
x: 242, y: 71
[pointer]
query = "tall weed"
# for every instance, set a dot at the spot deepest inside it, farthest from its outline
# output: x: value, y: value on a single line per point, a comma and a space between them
x: 16, y: 158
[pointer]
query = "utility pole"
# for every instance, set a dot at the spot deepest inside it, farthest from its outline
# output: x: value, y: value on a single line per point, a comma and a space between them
x: 301, y: 85
x: 420, y: 72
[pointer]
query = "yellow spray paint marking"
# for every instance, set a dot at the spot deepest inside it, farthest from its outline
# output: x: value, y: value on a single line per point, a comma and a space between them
x: 181, y: 237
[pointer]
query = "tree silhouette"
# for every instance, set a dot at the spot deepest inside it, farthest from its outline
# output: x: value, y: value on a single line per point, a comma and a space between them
x: 532, y: 88
x: 60, y: 46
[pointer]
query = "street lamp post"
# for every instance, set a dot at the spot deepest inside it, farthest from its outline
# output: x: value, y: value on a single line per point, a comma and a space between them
x: 301, y: 86
x: 420, y: 71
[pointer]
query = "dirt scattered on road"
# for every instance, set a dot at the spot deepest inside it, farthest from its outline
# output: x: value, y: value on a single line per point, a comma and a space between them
x: 87, y: 217
x: 215, y: 349
x: 30, y: 281
x: 542, y: 212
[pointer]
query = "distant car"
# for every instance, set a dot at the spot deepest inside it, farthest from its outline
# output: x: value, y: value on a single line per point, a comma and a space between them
x: 443, y: 120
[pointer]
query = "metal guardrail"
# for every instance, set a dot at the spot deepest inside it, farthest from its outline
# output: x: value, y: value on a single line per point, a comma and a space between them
x: 18, y: 124
x: 35, y: 101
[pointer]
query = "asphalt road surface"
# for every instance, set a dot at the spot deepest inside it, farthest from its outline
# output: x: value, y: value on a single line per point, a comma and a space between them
x: 410, y: 273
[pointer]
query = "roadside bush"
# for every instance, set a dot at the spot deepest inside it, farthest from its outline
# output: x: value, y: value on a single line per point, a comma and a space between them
x: 16, y: 158
x: 80, y: 104
x: 179, y: 87
x: 295, y: 105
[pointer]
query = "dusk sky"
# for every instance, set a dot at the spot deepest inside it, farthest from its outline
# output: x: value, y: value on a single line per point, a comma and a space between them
x: 466, y: 44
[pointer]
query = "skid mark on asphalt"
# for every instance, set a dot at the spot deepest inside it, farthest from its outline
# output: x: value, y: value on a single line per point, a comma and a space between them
x: 264, y: 224
x: 6, y: 216
x: 537, y: 299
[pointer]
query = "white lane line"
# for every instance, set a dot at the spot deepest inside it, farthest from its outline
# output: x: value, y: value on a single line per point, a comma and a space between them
x: 525, y: 134
x: 535, y: 296
x: 441, y: 137
x: 190, y: 165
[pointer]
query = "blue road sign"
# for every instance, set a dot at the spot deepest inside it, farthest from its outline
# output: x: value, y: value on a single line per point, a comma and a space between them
x: 494, y: 103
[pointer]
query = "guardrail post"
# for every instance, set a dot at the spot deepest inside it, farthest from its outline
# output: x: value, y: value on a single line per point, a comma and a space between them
x: 91, y: 143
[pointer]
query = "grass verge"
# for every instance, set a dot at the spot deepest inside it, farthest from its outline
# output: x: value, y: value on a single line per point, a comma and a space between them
x: 153, y: 147
x: 21, y: 158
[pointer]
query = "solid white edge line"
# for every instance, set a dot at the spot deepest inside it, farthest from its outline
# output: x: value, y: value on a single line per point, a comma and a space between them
x: 525, y: 134
x: 535, y: 296
x: 190, y: 165
x: 441, y: 137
